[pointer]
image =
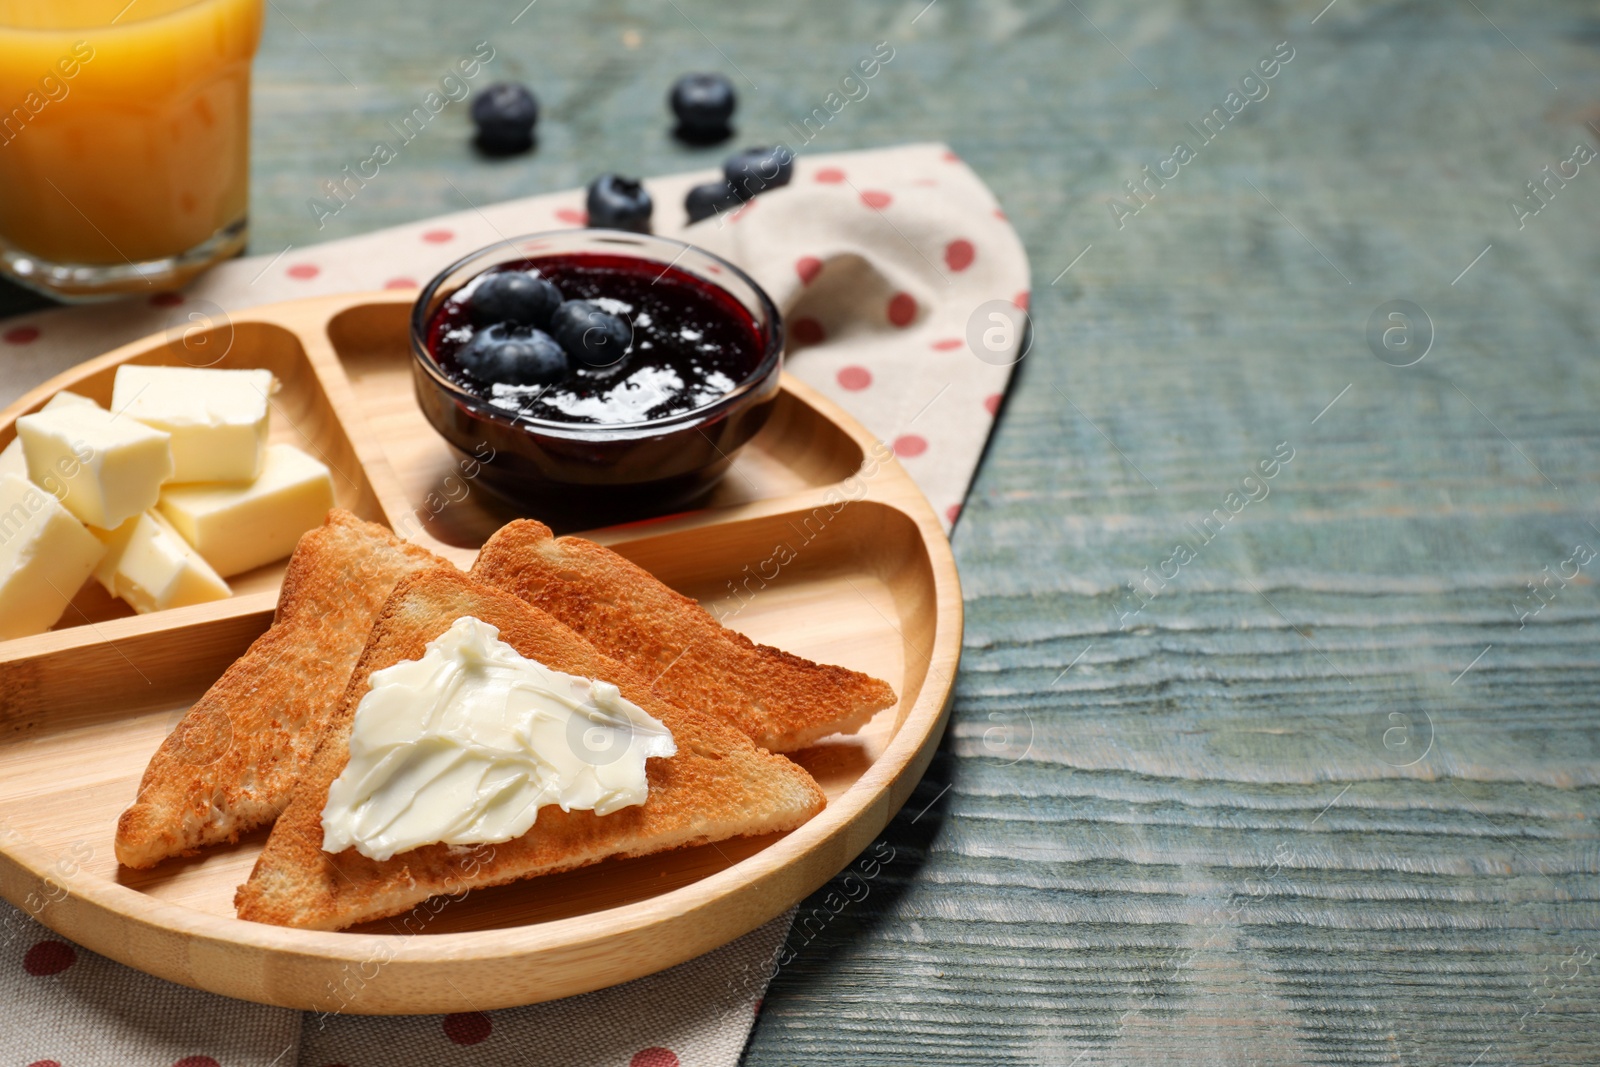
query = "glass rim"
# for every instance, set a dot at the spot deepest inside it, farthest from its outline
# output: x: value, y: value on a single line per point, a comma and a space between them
x: 771, y: 359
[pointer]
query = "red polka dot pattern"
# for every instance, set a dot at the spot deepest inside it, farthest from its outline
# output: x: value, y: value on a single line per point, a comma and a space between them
x: 304, y: 271
x: 1021, y: 300
x: 876, y: 199
x: 45, y: 1063
x: 806, y: 332
x: 400, y: 283
x: 467, y: 1027
x: 959, y: 254
x: 952, y: 512
x: 991, y: 404
x: 951, y: 157
x: 949, y: 344
x: 808, y: 267
x: 49, y: 957
x: 654, y: 1057
x: 439, y: 237
x: 166, y: 300
x: 830, y: 175
x: 22, y: 335
x: 909, y: 445
x: 902, y: 309
x: 197, y: 1061
x: 573, y: 215
x: 854, y: 378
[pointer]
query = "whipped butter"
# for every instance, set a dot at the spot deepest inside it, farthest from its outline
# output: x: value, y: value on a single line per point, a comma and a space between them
x: 464, y: 745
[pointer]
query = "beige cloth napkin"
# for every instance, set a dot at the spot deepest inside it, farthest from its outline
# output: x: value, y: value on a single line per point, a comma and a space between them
x: 900, y: 281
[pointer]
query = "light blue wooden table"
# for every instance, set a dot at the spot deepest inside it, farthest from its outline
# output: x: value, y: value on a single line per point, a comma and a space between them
x: 1323, y: 789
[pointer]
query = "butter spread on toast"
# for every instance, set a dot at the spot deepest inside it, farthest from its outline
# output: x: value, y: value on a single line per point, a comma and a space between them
x: 717, y: 785
x: 464, y: 745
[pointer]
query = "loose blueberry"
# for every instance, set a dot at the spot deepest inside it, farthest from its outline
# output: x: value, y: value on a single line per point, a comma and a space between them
x: 709, y: 199
x: 703, y: 104
x: 503, y: 354
x: 513, y: 296
x: 505, y: 114
x: 591, y: 335
x: 755, y: 170
x: 619, y: 203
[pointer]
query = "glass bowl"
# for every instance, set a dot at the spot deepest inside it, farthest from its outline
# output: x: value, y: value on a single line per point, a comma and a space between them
x: 600, y: 471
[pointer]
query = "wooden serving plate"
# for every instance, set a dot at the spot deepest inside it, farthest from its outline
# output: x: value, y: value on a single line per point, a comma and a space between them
x: 872, y: 587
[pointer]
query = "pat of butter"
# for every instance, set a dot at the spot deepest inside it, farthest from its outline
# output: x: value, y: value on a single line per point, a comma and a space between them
x: 237, y: 527
x: 217, y: 418
x: 45, y: 555
x: 11, y: 458
x: 464, y: 745
x: 102, y: 468
x: 150, y: 566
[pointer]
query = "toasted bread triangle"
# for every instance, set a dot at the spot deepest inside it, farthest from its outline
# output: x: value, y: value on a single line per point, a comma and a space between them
x: 718, y: 785
x: 229, y: 765
x: 780, y: 701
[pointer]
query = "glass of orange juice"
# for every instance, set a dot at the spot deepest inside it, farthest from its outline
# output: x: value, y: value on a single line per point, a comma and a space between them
x: 124, y: 141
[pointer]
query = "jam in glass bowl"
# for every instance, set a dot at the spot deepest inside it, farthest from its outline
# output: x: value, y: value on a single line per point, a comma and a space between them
x: 623, y: 392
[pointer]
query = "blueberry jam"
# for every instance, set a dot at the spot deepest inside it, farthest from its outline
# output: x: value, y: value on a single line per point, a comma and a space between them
x: 691, y: 343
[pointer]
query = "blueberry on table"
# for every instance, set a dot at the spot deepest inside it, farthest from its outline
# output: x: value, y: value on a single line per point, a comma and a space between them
x: 703, y: 104
x: 618, y: 203
x: 513, y: 296
x: 505, y: 354
x: 590, y: 334
x: 505, y: 114
x: 755, y: 170
x: 709, y: 199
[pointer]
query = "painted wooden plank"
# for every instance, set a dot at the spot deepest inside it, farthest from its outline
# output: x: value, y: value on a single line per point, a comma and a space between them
x: 1207, y: 854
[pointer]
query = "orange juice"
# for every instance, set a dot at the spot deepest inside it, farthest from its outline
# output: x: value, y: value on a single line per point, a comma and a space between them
x: 124, y: 137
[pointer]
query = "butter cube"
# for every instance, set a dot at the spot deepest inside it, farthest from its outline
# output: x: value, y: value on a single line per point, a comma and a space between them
x: 239, y: 527
x: 217, y: 418
x: 66, y: 399
x: 155, y: 569
x: 45, y: 555
x: 11, y: 458
x: 104, y: 469
x: 114, y: 542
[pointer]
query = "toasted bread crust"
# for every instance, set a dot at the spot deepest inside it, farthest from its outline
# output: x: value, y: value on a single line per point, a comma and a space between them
x: 780, y: 701
x: 229, y: 765
x: 717, y: 786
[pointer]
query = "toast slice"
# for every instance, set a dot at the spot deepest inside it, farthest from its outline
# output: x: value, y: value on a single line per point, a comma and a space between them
x: 780, y: 701
x: 718, y: 785
x: 229, y: 765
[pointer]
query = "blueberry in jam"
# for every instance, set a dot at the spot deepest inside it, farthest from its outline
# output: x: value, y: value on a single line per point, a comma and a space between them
x: 685, y: 344
x: 513, y: 355
x: 514, y: 296
x: 590, y: 334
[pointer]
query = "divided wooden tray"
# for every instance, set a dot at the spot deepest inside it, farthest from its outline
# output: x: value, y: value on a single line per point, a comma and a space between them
x: 872, y: 586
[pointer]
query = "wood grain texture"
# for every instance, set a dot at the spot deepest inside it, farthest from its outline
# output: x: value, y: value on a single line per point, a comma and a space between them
x: 1425, y: 915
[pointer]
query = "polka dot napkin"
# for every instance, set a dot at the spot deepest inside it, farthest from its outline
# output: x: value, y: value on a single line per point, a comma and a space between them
x: 902, y: 285
x: 65, y: 1006
x: 890, y: 267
